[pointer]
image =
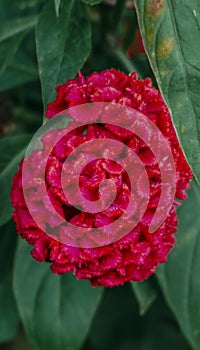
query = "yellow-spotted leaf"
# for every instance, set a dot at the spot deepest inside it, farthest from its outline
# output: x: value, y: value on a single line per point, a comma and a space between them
x: 171, y: 35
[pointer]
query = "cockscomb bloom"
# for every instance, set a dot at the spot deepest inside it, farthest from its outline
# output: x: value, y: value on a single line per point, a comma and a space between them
x: 136, y: 255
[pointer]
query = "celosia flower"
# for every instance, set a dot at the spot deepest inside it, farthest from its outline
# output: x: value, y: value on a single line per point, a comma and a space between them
x: 137, y: 255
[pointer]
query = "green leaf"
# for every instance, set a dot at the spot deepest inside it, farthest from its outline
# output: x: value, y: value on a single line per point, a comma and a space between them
x: 179, y: 277
x: 7, y: 49
x: 10, y: 28
x: 12, y: 150
x: 57, y: 6
x: 9, y: 318
x: 11, y: 34
x: 92, y: 2
x: 117, y: 14
x: 63, y: 44
x: 7, y: 248
x: 56, y: 311
x: 171, y: 31
x: 145, y: 295
x: 119, y: 326
x: 20, y: 70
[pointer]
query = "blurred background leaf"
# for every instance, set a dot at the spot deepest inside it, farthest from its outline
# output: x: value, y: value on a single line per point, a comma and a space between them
x: 20, y: 69
x: 12, y: 151
x: 92, y: 2
x: 11, y: 34
x: 9, y: 318
x: 57, y: 6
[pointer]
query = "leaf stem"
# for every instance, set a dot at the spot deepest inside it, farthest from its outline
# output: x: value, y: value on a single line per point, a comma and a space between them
x: 126, y: 62
x: 115, y: 51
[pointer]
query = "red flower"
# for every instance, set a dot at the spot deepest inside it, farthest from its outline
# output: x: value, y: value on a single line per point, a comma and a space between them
x: 137, y: 255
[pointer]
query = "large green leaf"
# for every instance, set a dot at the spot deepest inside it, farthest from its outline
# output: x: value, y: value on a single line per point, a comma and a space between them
x: 12, y: 149
x: 56, y: 310
x: 179, y: 277
x: 9, y: 318
x: 145, y: 295
x: 11, y: 34
x: 171, y: 32
x: 63, y: 44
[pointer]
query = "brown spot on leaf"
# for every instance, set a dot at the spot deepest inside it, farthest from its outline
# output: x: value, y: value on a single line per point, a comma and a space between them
x: 164, y: 72
x: 165, y: 48
x: 183, y: 129
x: 149, y: 35
x: 155, y: 7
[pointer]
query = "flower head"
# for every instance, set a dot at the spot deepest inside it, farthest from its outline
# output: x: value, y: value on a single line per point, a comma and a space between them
x: 136, y: 255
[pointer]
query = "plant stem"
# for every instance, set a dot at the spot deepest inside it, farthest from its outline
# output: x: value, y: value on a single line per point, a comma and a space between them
x: 127, y: 64
x: 115, y: 51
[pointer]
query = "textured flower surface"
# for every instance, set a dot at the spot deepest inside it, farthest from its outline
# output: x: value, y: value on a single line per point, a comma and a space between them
x: 136, y: 255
